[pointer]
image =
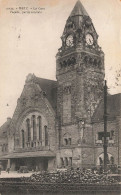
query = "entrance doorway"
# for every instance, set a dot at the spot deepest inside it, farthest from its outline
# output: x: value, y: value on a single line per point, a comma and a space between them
x: 100, y: 159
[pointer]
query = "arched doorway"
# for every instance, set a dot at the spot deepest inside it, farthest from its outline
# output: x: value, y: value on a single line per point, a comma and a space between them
x: 100, y: 159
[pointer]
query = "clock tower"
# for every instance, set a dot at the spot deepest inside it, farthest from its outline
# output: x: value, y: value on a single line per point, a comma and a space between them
x: 80, y: 76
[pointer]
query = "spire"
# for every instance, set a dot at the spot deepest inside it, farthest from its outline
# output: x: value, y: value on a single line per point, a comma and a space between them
x: 78, y: 10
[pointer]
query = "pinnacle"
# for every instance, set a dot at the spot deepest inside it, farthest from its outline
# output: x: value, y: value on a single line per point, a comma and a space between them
x: 79, y: 10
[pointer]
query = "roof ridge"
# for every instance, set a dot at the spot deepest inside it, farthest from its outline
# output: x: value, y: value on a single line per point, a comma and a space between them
x: 79, y: 10
x: 45, y: 79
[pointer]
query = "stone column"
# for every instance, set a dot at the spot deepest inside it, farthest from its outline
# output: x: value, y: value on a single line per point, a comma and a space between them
x: 31, y: 126
x: 8, y: 165
x: 37, y: 128
x: 34, y: 127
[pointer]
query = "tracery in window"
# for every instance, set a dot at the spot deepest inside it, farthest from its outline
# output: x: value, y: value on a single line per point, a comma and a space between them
x: 35, y: 131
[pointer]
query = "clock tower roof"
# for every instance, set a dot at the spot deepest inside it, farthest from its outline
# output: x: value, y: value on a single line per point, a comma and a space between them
x: 79, y: 10
x: 76, y: 19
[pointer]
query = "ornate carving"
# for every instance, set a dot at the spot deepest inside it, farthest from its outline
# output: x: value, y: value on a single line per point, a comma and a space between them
x: 81, y: 68
x: 70, y: 26
x: 90, y: 61
x: 30, y: 78
x: 87, y: 21
x: 68, y: 62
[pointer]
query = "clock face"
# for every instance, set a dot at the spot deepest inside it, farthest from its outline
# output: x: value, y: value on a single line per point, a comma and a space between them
x: 69, y: 41
x: 89, y: 39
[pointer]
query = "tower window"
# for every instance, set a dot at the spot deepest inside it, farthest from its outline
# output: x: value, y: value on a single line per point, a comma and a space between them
x: 73, y: 60
x: 69, y: 62
x: 64, y: 63
x: 95, y: 62
x: 66, y: 141
x: 70, y: 25
x: 86, y: 59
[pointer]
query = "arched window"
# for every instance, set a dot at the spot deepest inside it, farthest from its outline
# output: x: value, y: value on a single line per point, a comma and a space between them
x: 112, y: 160
x: 22, y: 138
x: 62, y: 162
x: 70, y: 161
x: 46, y: 136
x: 100, y: 160
x: 34, y: 127
x: 39, y: 127
x: 28, y: 130
x: 66, y: 141
x: 69, y: 141
x: 3, y: 147
x: 66, y: 161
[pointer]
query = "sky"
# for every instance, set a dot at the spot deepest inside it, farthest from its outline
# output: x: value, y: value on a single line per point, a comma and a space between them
x: 29, y: 43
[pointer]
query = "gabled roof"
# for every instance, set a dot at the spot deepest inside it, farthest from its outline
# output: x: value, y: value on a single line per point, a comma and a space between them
x: 5, y: 127
x: 50, y: 89
x: 79, y: 10
x: 113, y: 108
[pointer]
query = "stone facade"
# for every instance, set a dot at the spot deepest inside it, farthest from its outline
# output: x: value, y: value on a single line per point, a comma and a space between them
x: 32, y: 128
x: 60, y: 123
x: 113, y: 128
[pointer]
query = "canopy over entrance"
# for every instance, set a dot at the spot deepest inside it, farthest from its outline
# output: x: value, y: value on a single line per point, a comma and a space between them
x: 30, y: 161
x: 28, y: 154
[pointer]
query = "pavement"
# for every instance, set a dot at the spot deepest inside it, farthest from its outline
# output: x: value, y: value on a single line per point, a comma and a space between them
x: 14, y: 174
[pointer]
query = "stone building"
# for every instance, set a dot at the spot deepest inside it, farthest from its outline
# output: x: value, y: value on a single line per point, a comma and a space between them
x: 60, y: 123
